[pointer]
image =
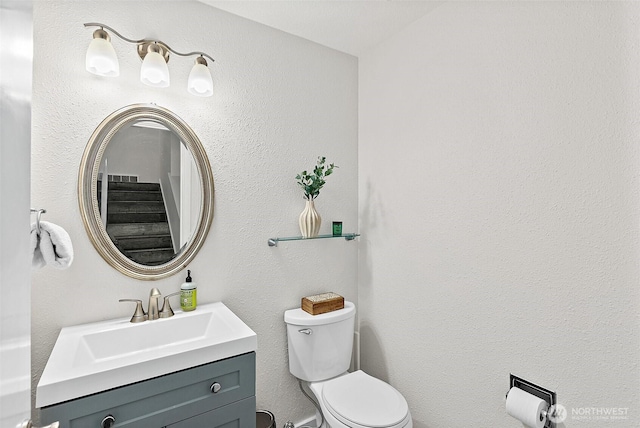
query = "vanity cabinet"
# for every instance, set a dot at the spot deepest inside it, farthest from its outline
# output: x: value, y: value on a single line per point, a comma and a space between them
x: 213, y: 395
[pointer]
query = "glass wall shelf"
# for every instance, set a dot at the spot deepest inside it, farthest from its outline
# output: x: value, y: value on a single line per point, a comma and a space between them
x: 273, y: 242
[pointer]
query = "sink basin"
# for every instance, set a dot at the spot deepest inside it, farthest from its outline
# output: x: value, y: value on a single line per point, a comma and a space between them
x: 94, y: 357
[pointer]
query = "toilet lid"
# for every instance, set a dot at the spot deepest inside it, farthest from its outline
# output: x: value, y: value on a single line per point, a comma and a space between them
x: 360, y: 399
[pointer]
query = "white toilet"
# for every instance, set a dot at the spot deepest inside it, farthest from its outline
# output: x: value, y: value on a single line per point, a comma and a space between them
x: 320, y: 353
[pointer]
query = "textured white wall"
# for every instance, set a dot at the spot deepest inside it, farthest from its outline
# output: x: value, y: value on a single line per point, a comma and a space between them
x: 499, y: 201
x: 279, y: 102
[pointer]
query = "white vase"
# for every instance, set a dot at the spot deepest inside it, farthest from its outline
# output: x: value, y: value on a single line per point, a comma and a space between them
x: 309, y: 221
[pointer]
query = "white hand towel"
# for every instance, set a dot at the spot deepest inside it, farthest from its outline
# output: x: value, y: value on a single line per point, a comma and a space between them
x: 37, y: 261
x: 52, y: 247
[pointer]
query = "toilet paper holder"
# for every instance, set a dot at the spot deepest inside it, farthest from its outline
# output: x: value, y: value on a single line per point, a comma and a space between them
x: 538, y: 391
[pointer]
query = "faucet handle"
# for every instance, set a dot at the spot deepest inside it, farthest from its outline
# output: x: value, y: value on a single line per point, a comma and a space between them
x: 139, y: 315
x: 166, y: 310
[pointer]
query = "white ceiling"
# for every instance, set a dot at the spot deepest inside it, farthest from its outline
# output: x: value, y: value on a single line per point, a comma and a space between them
x: 350, y: 26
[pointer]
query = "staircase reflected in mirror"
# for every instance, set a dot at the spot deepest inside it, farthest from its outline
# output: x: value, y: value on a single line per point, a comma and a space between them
x: 137, y: 222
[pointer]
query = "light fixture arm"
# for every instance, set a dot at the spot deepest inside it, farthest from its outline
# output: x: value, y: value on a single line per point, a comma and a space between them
x: 147, y: 41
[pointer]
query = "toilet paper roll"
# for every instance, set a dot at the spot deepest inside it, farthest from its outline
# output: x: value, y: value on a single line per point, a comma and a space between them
x: 526, y: 408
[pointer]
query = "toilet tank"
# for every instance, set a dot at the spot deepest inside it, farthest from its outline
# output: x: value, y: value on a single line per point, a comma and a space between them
x: 320, y: 345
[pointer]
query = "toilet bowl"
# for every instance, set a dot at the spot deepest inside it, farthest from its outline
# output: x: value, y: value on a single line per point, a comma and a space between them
x: 357, y: 400
x: 320, y: 348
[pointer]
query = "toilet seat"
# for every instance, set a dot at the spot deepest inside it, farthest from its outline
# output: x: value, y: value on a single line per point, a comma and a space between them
x: 362, y: 401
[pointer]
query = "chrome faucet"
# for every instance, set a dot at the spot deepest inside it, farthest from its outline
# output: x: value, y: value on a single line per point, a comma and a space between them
x: 153, y: 309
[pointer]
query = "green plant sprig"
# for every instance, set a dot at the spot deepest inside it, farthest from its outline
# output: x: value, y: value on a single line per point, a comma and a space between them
x: 311, y: 183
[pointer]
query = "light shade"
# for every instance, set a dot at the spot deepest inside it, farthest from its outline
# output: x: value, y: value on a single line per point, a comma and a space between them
x: 101, y: 58
x: 154, y: 71
x: 200, y: 82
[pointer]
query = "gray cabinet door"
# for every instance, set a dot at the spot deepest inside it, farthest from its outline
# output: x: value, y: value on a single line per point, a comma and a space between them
x: 241, y: 414
x: 164, y: 400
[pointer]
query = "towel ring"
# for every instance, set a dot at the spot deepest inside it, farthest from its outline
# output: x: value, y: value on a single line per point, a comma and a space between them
x: 38, y: 214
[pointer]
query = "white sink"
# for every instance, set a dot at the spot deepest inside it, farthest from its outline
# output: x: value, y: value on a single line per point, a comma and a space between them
x: 91, y: 358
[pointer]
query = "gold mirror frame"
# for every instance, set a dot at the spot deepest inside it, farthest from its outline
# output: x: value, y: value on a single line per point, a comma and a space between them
x: 88, y: 200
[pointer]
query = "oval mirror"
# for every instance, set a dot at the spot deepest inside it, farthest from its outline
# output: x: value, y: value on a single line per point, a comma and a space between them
x: 145, y: 191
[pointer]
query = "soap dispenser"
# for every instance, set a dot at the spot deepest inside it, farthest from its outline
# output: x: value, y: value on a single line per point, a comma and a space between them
x: 188, y: 294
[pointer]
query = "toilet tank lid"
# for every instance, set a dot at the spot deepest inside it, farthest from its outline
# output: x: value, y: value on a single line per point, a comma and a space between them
x: 299, y: 317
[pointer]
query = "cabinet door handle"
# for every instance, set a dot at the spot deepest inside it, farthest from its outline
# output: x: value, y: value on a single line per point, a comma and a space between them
x: 215, y: 387
x: 108, y: 421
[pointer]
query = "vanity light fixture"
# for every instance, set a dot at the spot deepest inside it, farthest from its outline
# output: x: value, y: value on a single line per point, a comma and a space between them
x: 200, y: 83
x: 101, y: 57
x: 102, y: 60
x: 154, y: 70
